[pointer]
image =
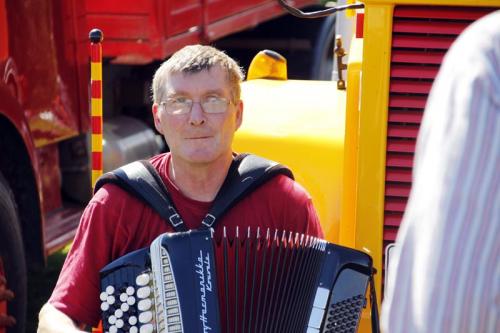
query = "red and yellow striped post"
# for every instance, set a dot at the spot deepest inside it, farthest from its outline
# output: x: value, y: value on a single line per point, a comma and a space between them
x: 96, y: 37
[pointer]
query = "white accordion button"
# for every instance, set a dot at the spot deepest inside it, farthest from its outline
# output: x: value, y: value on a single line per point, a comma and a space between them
x: 175, y: 328
x: 143, y: 292
x: 111, y: 299
x: 103, y: 296
x: 145, y: 317
x: 113, y: 329
x: 119, y: 323
x: 124, y: 307
x: 173, y: 319
x: 131, y: 300
x: 104, y: 306
x: 146, y: 328
x: 172, y: 311
x: 112, y: 320
x: 144, y: 304
x: 132, y: 320
x: 130, y: 290
x: 133, y: 329
x: 118, y: 313
x: 123, y: 297
x: 171, y: 302
x: 142, y: 280
x: 110, y: 290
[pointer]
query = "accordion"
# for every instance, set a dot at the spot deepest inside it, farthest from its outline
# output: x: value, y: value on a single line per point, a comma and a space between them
x: 247, y: 282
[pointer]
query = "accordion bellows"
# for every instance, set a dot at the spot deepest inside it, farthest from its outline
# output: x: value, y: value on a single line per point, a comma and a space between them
x: 271, y: 281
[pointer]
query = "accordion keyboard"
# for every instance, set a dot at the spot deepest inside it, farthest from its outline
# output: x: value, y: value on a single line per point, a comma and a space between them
x: 168, y: 313
x: 126, y: 307
x: 343, y: 317
x: 127, y: 297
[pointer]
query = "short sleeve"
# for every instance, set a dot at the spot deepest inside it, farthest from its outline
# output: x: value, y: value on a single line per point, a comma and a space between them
x: 297, y: 208
x: 77, y: 289
x: 305, y: 211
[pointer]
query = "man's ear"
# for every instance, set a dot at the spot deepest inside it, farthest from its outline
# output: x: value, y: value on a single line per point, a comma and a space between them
x: 156, y: 117
x: 239, y: 114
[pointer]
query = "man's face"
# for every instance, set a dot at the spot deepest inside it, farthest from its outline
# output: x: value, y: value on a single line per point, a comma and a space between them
x: 198, y: 137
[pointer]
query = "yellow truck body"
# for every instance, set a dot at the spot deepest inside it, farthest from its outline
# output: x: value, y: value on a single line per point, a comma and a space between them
x: 353, y: 149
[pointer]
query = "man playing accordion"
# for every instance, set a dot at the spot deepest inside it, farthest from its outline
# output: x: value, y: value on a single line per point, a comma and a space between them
x: 197, y: 108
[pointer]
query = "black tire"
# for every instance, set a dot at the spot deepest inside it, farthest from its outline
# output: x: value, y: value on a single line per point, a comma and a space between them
x: 12, y: 256
x: 322, y: 63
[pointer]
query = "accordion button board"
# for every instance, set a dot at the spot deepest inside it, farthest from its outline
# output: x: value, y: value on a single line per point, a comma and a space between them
x: 191, y: 282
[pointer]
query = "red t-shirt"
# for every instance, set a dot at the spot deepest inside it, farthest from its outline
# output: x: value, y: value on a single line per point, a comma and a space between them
x: 115, y: 223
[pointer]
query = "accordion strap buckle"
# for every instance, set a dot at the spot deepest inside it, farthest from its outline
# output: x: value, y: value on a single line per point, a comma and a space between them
x: 209, y: 220
x: 175, y: 219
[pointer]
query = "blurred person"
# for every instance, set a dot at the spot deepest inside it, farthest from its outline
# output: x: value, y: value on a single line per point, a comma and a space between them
x: 445, y: 273
x: 197, y: 108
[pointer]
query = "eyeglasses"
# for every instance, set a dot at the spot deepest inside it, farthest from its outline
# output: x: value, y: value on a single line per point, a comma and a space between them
x: 183, y: 105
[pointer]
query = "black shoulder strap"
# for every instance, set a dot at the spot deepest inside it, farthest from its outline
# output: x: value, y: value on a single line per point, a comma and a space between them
x: 142, y: 180
x: 247, y: 172
x: 373, y: 304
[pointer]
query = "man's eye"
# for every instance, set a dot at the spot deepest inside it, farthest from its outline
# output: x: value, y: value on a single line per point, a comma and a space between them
x: 212, y: 98
x: 179, y: 100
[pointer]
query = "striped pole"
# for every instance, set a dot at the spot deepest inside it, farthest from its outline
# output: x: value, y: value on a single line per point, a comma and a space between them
x: 96, y: 37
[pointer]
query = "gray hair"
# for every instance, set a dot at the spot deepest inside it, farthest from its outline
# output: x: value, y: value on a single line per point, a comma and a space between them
x: 194, y: 59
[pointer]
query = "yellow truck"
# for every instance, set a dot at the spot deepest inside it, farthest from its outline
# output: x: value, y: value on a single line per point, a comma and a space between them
x: 352, y: 148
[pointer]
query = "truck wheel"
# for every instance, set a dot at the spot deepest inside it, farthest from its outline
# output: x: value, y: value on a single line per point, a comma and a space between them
x: 12, y: 256
x: 322, y: 60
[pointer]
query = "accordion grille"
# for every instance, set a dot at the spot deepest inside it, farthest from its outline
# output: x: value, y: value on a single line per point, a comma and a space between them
x: 267, y: 281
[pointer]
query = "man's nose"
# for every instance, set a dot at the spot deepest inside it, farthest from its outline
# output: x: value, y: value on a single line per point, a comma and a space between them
x: 196, y: 116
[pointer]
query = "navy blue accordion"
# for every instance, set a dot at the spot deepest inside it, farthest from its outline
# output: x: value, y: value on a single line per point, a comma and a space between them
x: 251, y: 281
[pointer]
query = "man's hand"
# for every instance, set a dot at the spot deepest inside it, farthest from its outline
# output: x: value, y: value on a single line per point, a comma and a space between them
x: 52, y: 320
x: 5, y: 295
